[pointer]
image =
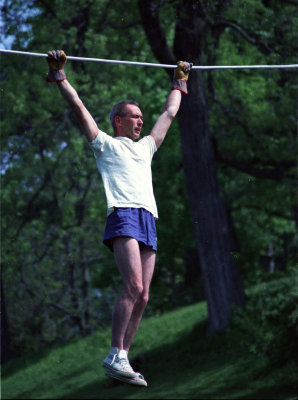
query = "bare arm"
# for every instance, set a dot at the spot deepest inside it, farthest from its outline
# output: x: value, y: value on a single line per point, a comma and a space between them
x: 164, y: 121
x: 86, y: 121
x: 172, y: 104
x: 56, y: 60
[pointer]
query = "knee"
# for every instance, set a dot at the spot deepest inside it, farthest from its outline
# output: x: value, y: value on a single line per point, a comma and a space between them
x: 144, y: 298
x: 134, y: 292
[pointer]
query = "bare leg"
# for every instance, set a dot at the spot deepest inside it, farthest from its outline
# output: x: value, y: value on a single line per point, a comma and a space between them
x: 128, y: 260
x: 148, y: 262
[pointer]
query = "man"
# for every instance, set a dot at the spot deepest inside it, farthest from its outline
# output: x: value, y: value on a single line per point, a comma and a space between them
x: 125, y: 168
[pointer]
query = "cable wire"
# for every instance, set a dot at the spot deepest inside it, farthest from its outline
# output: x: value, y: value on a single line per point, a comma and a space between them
x: 143, y: 64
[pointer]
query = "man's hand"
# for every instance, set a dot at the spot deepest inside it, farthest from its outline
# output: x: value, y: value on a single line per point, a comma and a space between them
x: 181, y: 74
x: 56, y: 60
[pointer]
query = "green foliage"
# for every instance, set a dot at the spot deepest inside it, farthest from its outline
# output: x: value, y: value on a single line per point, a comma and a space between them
x: 268, y: 324
x: 253, y: 125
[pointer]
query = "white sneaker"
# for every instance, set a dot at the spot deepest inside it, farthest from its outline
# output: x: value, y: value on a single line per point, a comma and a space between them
x: 119, y: 365
x: 136, y: 380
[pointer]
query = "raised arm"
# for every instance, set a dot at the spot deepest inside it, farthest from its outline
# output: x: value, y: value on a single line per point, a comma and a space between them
x: 172, y: 103
x: 166, y: 117
x: 56, y: 61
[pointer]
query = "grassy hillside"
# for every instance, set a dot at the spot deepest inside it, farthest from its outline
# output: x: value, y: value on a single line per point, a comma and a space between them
x: 170, y: 350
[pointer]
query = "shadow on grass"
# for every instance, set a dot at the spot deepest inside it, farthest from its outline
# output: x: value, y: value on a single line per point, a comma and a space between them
x: 59, y: 381
x: 19, y: 363
x: 24, y: 361
x: 195, y: 367
x: 274, y: 392
x: 15, y: 364
x: 191, y: 367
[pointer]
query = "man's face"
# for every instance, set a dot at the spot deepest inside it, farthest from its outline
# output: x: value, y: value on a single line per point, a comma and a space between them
x: 131, y: 125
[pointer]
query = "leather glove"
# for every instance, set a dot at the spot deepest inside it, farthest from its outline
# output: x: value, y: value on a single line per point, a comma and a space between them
x: 181, y: 73
x: 56, y: 60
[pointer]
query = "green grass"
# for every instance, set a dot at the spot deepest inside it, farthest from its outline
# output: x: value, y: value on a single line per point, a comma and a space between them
x: 170, y: 350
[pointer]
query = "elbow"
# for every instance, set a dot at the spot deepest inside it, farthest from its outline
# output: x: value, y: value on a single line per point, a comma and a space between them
x: 171, y: 113
x: 78, y: 107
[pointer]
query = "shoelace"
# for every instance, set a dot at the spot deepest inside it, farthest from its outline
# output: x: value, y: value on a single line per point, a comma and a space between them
x: 124, y: 363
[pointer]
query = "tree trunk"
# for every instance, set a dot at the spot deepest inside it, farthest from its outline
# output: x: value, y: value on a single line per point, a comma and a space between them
x: 213, y: 240
x: 6, y: 353
x: 74, y: 298
x: 85, y: 289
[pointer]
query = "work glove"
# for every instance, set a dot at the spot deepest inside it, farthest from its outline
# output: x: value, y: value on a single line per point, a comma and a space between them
x: 181, y: 73
x: 56, y: 60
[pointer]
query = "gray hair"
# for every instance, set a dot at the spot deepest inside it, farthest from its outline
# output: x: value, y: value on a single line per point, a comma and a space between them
x: 120, y: 109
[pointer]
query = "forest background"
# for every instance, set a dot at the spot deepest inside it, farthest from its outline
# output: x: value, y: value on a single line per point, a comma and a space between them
x: 224, y: 225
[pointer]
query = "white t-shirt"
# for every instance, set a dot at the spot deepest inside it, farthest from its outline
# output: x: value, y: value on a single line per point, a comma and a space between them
x: 125, y: 169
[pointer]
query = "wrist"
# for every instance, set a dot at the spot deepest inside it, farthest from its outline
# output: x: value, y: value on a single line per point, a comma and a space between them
x: 180, y: 84
x: 56, y: 75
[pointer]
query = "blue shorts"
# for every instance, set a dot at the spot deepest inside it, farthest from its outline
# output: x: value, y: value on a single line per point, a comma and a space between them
x: 137, y: 223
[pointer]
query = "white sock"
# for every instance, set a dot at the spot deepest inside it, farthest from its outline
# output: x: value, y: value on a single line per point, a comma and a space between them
x: 115, y: 350
x: 122, y: 354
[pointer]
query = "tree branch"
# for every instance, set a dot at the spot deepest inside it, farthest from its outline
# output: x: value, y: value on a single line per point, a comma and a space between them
x: 30, y: 210
x: 192, y: 19
x: 149, y: 11
x: 256, y: 41
x: 49, y: 8
x: 263, y: 208
x: 65, y: 310
x: 275, y: 173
